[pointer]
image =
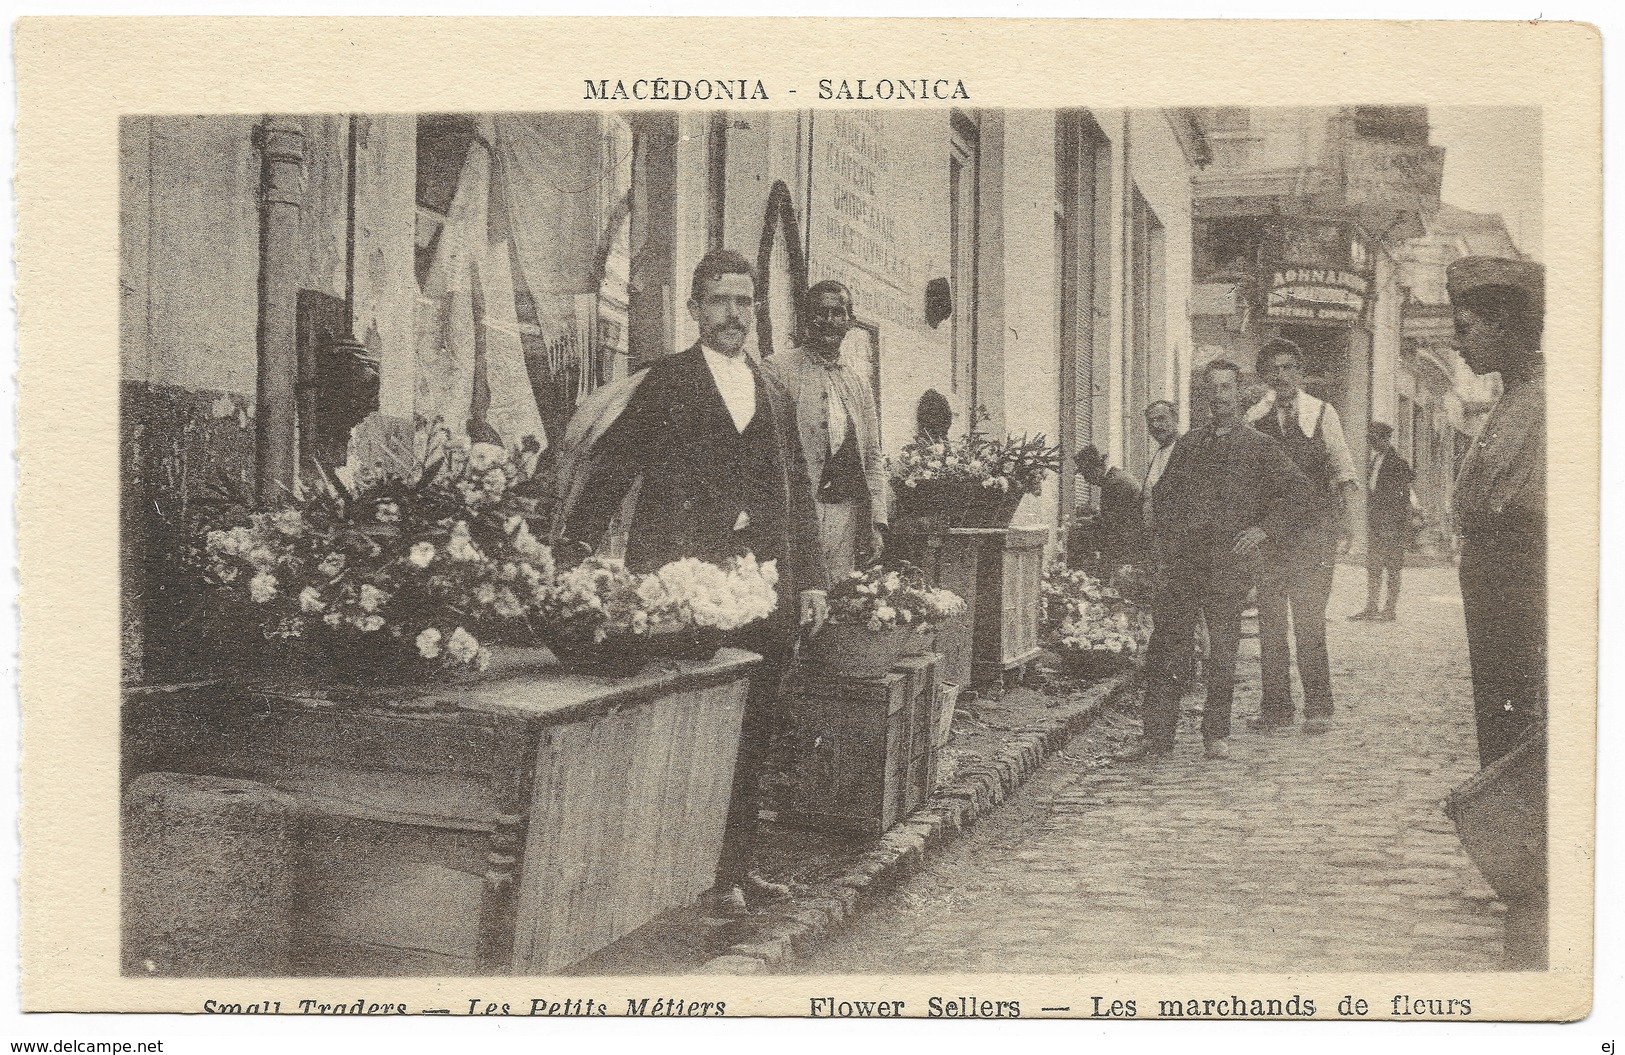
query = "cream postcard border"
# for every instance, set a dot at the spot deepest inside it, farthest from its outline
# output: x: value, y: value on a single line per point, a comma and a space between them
x: 76, y: 76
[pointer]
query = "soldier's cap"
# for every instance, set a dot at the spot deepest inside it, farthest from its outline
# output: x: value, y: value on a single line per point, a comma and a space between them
x: 1475, y: 272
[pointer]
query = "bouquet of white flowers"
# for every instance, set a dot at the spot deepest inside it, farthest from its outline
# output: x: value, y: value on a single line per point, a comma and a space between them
x: 976, y: 480
x: 597, y: 613
x: 868, y: 612
x: 1089, y: 623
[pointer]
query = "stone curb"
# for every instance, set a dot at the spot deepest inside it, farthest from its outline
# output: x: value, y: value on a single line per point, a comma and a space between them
x: 795, y: 927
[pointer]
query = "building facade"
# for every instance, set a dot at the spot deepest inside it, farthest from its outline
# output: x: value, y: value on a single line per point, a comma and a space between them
x: 302, y: 292
x: 1302, y: 223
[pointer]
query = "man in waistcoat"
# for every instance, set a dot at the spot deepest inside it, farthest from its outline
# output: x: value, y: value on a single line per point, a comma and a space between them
x: 1387, y: 522
x: 840, y: 433
x: 1295, y: 580
x: 713, y: 443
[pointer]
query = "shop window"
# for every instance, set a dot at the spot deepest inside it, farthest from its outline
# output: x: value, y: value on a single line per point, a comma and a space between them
x: 527, y: 248
x: 470, y: 364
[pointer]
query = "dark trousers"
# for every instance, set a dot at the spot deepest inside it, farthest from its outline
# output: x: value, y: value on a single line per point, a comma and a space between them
x: 1209, y: 583
x: 1385, y: 552
x: 761, y: 724
x: 1294, y: 586
x: 1503, y: 594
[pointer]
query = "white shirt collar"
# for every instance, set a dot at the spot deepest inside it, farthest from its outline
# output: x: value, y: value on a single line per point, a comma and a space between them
x: 736, y: 383
x: 1308, y: 410
x: 718, y: 361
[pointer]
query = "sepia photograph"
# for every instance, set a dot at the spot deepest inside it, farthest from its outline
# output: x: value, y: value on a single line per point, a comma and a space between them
x: 839, y: 526
x: 598, y: 540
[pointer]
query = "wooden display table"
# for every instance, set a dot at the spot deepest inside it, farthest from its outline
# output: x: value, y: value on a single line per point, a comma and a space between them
x: 512, y: 825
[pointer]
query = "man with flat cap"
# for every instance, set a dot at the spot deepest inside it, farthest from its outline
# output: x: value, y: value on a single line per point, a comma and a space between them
x: 1500, y: 498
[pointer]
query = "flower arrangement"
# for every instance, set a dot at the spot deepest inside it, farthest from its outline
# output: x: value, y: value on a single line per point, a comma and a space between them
x: 1088, y: 622
x: 599, y: 599
x: 412, y: 567
x: 874, y: 615
x: 884, y: 598
x: 419, y: 571
x: 1009, y: 466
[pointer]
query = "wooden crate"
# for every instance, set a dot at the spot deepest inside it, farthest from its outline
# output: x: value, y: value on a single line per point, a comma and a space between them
x: 515, y: 825
x: 1010, y: 571
x: 922, y: 692
x: 862, y: 748
x: 950, y: 561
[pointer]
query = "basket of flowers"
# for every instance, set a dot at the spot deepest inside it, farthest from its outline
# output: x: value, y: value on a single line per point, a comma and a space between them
x: 383, y: 575
x: 1090, y: 625
x: 875, y: 617
x: 977, y: 480
x: 401, y: 575
x: 601, y: 618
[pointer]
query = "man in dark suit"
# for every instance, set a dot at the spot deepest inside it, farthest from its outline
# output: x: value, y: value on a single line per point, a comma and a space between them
x: 1387, y: 521
x: 713, y: 443
x: 1228, y: 493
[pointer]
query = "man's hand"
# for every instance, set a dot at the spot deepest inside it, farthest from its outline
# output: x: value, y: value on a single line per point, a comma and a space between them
x: 877, y: 542
x: 1345, y: 542
x: 1248, y: 541
x: 1091, y: 464
x: 814, y: 608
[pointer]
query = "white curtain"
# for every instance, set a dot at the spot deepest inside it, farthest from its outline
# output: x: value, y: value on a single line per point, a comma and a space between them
x: 558, y: 176
x: 471, y: 271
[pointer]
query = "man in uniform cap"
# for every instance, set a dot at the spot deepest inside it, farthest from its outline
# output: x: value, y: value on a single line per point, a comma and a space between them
x: 1500, y: 308
x: 1500, y: 498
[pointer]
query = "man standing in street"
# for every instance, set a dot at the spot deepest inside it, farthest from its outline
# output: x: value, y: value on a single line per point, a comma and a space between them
x: 840, y: 433
x: 1295, y: 581
x: 713, y: 443
x: 1125, y: 501
x: 1387, y: 522
x: 1501, y: 498
x: 1227, y: 491
x: 1500, y: 312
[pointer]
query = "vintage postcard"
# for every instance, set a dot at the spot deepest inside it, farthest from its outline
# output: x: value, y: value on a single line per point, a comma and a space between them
x: 991, y: 520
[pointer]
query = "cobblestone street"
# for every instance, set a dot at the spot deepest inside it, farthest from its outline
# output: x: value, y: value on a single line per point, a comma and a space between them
x: 1299, y: 853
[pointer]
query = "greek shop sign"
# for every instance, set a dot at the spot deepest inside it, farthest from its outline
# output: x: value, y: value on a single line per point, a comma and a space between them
x: 1315, y: 293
